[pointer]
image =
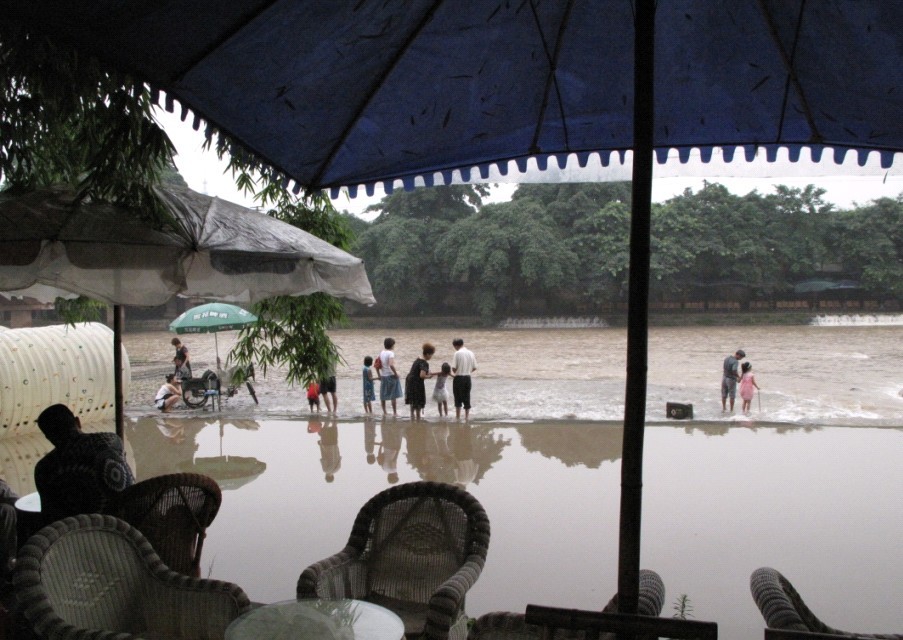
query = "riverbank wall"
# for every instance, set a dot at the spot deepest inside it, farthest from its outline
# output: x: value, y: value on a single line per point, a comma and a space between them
x: 576, y: 322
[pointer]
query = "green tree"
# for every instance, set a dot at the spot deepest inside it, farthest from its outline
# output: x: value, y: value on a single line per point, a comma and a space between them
x: 293, y: 330
x: 399, y: 255
x: 569, y: 202
x: 600, y: 241
x: 357, y: 226
x: 869, y: 242
x: 398, y: 246
x: 170, y: 177
x: 504, y: 253
x: 444, y: 202
x: 674, y: 250
x: 796, y: 222
x: 65, y: 119
x: 727, y: 238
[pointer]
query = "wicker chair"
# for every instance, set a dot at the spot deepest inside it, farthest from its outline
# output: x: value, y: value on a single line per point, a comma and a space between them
x: 173, y: 512
x: 504, y: 625
x: 416, y: 549
x: 783, y: 608
x: 95, y: 576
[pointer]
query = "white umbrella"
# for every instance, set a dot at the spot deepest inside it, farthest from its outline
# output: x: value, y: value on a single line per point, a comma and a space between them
x: 216, y: 249
x: 51, y: 245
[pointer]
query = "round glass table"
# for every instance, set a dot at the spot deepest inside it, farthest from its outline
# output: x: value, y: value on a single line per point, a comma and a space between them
x: 30, y: 502
x: 317, y: 620
x: 28, y: 516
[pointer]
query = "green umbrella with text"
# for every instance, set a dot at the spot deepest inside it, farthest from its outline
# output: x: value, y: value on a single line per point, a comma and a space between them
x: 212, y: 317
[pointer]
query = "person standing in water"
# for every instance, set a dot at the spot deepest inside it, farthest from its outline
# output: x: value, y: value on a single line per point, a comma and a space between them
x: 313, y: 396
x: 463, y: 364
x: 440, y: 391
x: 415, y: 382
x: 328, y: 388
x: 729, y: 377
x: 369, y: 389
x: 390, y: 385
x: 181, y: 360
x: 747, y: 386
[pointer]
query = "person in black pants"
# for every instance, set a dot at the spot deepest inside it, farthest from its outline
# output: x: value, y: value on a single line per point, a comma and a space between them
x: 463, y: 364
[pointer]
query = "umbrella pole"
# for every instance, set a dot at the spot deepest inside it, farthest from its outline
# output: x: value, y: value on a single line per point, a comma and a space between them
x: 638, y: 310
x: 118, y: 397
x: 216, y: 345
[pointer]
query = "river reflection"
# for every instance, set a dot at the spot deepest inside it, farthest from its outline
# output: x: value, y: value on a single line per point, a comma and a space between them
x: 722, y: 496
x: 820, y: 504
x: 179, y: 445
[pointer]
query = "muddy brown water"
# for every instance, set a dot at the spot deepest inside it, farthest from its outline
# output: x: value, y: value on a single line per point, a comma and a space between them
x: 809, y: 484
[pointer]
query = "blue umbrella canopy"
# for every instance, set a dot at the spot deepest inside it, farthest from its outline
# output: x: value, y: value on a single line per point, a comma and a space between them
x: 347, y: 93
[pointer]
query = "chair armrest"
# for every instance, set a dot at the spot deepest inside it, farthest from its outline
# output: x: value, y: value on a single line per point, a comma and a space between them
x: 338, y: 576
x: 55, y: 627
x: 786, y: 634
x: 185, y: 607
x: 775, y: 604
x: 447, y: 602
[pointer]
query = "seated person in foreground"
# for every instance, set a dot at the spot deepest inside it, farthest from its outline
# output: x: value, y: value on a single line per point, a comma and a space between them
x: 83, y: 473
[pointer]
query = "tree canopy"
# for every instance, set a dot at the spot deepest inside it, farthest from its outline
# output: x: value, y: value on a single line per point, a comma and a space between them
x: 558, y: 249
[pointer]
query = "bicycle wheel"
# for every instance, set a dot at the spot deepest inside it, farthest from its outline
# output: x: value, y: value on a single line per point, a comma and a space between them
x: 194, y: 398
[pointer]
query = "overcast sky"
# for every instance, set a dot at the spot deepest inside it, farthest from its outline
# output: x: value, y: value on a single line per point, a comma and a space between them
x: 847, y: 184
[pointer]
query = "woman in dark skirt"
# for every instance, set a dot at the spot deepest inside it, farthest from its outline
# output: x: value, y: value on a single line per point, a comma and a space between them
x: 414, y: 383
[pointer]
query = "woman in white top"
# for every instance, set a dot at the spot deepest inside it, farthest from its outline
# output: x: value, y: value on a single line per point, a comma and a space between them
x: 169, y: 394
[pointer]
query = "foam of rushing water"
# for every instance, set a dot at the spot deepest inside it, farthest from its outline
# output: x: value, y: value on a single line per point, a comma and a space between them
x: 859, y: 320
x: 809, y: 375
x: 553, y: 323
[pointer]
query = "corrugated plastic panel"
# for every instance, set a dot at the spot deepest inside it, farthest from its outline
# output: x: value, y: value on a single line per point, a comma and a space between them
x: 72, y: 365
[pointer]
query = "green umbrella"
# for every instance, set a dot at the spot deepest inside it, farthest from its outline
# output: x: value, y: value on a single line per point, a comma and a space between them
x: 212, y: 317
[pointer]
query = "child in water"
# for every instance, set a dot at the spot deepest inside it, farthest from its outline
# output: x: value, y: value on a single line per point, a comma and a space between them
x: 369, y: 392
x: 313, y: 396
x: 747, y: 382
x: 440, y: 391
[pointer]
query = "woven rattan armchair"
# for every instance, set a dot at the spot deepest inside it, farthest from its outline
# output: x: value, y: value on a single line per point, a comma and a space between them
x: 173, y: 512
x: 95, y: 576
x: 783, y: 608
x: 504, y: 625
x: 416, y: 549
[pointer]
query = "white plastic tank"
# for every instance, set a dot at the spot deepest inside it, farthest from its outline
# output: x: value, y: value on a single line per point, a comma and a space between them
x: 71, y: 365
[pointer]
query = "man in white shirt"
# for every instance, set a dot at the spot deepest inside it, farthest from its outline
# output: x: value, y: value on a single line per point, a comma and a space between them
x: 463, y: 364
x: 390, y: 386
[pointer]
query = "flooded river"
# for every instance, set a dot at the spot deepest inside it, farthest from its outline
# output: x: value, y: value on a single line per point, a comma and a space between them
x: 809, y: 483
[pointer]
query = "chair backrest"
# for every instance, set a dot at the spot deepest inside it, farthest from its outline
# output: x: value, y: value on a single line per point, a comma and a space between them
x: 783, y: 607
x: 595, y: 625
x: 503, y: 625
x: 95, y: 575
x: 780, y: 604
x: 173, y: 512
x: 415, y: 536
x: 88, y: 570
x: 651, y: 596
